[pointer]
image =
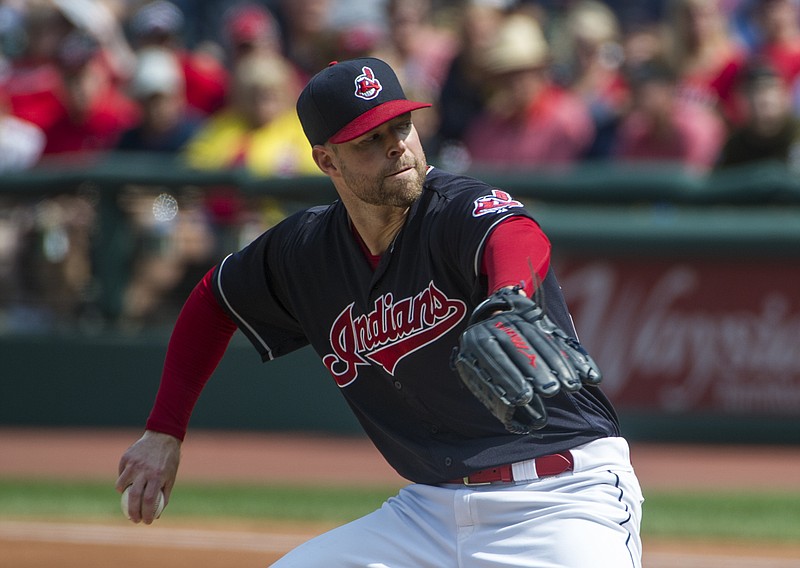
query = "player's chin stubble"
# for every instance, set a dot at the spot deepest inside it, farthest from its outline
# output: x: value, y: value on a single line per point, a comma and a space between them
x: 388, y: 191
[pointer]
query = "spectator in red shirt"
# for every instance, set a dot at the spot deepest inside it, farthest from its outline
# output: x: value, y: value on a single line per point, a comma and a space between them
x: 529, y: 121
x: 778, y: 22
x: 21, y: 142
x: 93, y: 112
x: 160, y: 24
x: 661, y: 127
x: 33, y: 81
x: 707, y: 56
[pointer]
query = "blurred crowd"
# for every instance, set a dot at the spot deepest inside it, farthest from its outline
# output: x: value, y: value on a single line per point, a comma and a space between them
x: 524, y: 83
x: 516, y: 84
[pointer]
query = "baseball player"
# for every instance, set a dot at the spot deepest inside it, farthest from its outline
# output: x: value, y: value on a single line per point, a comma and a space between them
x: 430, y: 300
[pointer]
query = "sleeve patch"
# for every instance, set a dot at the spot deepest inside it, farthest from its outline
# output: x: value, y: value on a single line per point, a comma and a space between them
x: 498, y: 202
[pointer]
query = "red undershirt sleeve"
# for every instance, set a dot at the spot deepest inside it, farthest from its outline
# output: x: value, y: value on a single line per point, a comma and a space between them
x: 516, y: 247
x: 199, y: 339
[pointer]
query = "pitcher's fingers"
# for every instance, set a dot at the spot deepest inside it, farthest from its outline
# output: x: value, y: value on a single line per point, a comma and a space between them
x: 148, y: 502
x: 125, y: 478
x: 135, y: 502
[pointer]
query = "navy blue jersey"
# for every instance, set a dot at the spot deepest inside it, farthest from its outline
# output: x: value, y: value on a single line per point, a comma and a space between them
x: 386, y: 336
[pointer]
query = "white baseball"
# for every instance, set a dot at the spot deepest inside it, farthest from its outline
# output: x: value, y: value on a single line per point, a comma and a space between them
x: 124, y: 503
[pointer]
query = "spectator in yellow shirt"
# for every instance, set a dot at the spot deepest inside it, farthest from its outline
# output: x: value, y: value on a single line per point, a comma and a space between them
x: 259, y: 128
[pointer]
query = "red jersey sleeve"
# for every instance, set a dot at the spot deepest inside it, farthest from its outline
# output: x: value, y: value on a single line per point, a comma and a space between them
x: 201, y: 335
x: 515, y: 251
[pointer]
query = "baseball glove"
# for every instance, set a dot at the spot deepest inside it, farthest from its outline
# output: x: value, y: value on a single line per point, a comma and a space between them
x: 512, y: 354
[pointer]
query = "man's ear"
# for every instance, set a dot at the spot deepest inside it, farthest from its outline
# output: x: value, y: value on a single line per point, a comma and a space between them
x: 323, y: 157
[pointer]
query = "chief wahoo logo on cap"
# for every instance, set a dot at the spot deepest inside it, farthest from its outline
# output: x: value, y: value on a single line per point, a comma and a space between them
x: 367, y: 86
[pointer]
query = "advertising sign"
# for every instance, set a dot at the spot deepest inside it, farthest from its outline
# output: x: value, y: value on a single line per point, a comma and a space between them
x: 691, y: 335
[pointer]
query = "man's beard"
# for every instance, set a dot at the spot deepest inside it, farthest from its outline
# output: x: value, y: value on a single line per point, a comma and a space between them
x: 388, y: 191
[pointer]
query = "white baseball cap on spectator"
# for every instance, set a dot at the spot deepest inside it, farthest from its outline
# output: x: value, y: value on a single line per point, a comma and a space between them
x: 157, y: 72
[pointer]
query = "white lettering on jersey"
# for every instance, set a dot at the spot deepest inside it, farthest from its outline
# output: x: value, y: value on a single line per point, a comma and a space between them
x: 389, y: 332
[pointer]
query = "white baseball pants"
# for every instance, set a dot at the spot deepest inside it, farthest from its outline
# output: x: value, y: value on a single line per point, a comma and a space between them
x: 585, y: 518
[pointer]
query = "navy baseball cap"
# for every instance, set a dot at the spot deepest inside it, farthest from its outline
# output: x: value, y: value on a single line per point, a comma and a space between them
x: 350, y: 98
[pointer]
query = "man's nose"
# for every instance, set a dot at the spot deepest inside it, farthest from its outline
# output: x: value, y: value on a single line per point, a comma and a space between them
x: 397, y: 147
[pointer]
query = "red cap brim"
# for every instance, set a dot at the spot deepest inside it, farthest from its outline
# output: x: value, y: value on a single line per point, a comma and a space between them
x: 374, y: 117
